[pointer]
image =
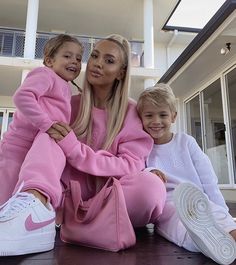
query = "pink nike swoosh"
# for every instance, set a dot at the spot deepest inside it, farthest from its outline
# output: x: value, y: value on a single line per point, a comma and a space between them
x: 30, y: 225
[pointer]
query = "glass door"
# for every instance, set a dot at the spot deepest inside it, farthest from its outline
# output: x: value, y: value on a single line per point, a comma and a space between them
x: 206, y: 123
x: 194, y: 125
x: 9, y: 117
x: 231, y: 91
x: 1, y: 122
x: 6, y: 116
x: 215, y: 140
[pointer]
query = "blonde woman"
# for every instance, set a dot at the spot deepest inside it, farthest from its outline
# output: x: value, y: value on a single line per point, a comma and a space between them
x: 105, y: 139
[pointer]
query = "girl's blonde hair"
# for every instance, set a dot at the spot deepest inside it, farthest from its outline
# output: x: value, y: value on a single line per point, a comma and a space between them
x: 158, y: 95
x: 116, y: 104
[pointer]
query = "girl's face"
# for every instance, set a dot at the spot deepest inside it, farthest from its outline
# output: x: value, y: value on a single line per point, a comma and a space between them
x: 105, y: 65
x: 157, y: 122
x: 67, y: 61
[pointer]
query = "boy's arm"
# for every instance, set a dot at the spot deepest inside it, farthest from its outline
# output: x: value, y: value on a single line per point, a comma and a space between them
x: 206, y: 174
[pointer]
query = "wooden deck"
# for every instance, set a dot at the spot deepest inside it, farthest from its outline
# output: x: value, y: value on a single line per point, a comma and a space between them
x: 150, y: 249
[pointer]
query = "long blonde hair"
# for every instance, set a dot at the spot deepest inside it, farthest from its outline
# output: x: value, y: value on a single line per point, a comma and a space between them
x: 116, y: 105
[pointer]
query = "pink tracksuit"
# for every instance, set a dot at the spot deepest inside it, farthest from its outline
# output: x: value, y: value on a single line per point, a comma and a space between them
x: 144, y: 192
x: 42, y: 99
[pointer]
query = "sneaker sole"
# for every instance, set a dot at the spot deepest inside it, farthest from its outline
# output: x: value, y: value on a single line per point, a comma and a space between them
x: 21, y: 247
x: 194, y: 211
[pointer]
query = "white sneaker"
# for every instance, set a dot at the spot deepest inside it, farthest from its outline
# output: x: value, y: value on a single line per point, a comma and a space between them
x: 26, y: 226
x: 194, y: 211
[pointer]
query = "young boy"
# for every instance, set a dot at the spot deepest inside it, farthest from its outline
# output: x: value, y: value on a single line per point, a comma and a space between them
x: 195, y: 215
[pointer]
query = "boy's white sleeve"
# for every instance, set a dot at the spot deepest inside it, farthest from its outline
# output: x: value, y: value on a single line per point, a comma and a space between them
x: 206, y: 174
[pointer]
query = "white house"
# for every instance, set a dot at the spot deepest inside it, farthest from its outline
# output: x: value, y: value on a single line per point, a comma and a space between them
x: 200, y: 75
x: 26, y: 25
x: 204, y: 79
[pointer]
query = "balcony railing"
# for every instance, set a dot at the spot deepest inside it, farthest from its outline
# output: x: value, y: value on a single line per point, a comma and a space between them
x: 12, y: 45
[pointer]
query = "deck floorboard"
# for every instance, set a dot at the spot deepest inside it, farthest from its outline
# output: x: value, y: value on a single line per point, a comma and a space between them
x: 150, y: 249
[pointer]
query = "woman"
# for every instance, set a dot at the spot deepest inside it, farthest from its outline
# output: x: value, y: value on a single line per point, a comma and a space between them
x: 105, y: 139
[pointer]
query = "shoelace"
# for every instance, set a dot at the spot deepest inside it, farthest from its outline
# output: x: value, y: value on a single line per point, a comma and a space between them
x: 19, y: 201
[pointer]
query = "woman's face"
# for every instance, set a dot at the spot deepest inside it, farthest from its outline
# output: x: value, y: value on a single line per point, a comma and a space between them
x: 105, y: 65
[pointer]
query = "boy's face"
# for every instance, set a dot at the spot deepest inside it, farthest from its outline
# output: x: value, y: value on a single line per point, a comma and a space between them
x: 157, y: 122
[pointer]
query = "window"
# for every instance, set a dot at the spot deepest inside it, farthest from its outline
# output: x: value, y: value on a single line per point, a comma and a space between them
x: 215, y: 142
x: 194, y: 126
x: 206, y: 123
x: 186, y: 14
x: 6, y: 116
x: 1, y: 122
x: 231, y: 87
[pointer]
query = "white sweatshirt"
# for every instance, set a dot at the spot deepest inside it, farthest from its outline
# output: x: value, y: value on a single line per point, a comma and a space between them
x: 182, y: 160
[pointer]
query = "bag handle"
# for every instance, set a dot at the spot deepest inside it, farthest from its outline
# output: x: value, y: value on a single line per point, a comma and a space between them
x: 95, y: 203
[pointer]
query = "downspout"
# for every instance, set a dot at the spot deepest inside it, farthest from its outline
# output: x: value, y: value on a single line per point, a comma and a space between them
x: 175, y: 34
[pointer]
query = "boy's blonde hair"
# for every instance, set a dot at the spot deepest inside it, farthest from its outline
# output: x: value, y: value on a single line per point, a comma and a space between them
x: 116, y: 104
x: 158, y: 95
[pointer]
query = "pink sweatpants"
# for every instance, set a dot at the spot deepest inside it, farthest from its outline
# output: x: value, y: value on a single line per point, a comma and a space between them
x: 11, y: 159
x: 45, y: 165
x: 38, y: 165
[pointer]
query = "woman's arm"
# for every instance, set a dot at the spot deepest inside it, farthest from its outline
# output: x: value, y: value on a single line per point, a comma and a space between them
x: 131, y: 153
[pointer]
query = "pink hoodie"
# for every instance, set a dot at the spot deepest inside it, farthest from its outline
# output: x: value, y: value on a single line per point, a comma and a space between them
x: 43, y: 98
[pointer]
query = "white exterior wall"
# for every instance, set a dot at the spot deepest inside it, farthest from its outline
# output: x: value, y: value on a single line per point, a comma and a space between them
x: 6, y: 102
x: 165, y: 56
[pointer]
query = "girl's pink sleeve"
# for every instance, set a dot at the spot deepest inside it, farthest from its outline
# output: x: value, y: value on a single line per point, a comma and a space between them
x: 27, y: 97
x: 132, y: 150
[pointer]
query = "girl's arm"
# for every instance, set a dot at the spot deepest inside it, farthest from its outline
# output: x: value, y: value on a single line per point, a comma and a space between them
x: 27, y: 97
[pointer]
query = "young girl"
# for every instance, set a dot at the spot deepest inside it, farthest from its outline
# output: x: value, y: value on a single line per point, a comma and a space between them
x: 105, y: 139
x: 42, y: 100
x: 181, y: 159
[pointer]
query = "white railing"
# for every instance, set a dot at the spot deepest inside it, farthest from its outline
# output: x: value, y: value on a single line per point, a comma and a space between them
x: 12, y: 45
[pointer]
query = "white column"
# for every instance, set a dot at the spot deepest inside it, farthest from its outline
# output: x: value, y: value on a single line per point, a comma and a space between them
x: 148, y: 39
x: 31, y: 29
x: 149, y: 82
x: 24, y: 74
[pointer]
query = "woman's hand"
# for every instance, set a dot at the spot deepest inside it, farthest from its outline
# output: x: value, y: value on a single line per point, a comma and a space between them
x: 160, y: 174
x: 58, y: 131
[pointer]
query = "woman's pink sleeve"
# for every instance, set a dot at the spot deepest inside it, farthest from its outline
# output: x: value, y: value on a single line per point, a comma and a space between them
x: 133, y: 145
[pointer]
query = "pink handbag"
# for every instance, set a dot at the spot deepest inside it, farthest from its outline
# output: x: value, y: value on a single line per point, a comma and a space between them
x: 101, y: 222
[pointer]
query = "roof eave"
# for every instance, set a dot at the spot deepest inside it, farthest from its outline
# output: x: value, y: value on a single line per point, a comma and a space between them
x: 221, y: 15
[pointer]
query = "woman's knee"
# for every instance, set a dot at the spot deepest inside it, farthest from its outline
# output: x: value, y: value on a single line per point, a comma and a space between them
x: 152, y: 189
x: 145, y: 196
